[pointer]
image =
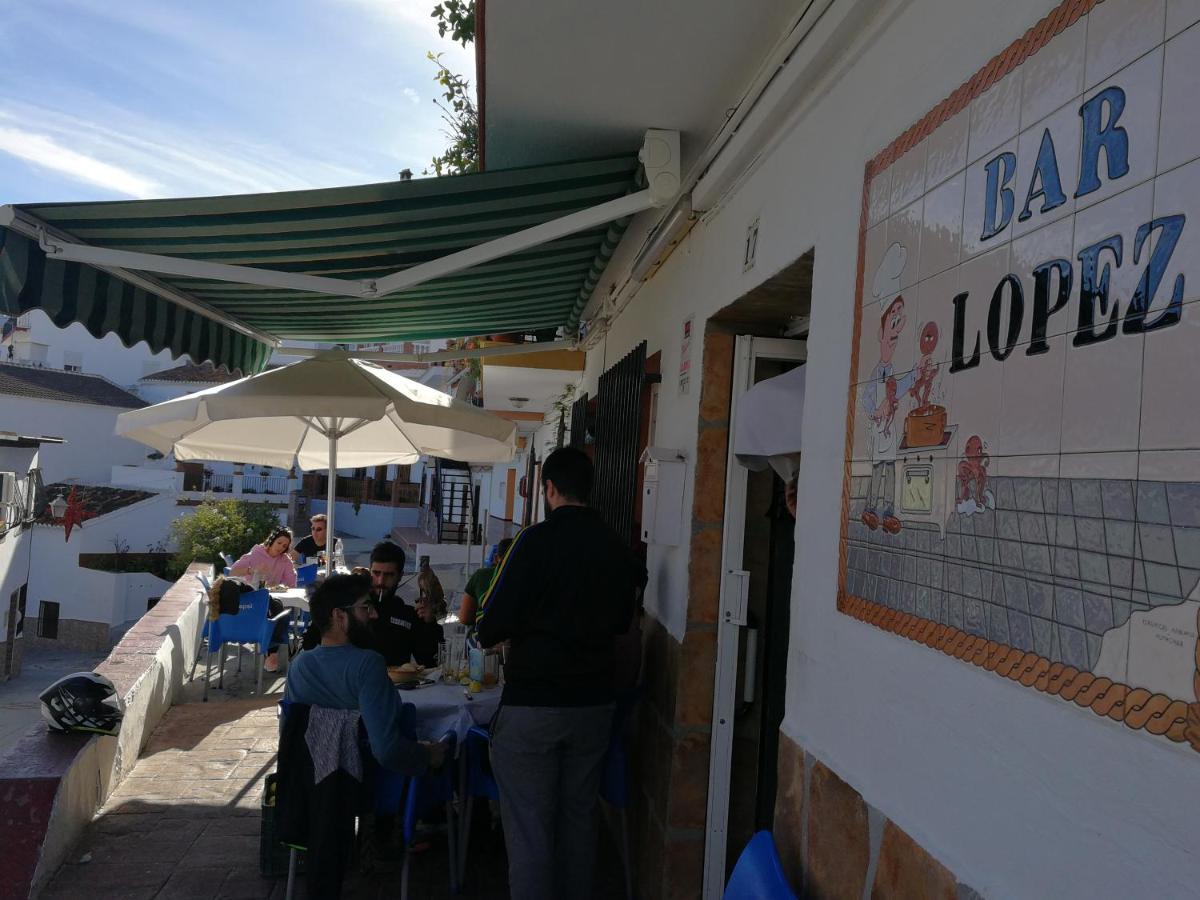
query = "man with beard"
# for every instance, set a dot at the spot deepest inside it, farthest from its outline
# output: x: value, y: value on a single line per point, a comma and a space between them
x: 400, y: 633
x: 342, y: 673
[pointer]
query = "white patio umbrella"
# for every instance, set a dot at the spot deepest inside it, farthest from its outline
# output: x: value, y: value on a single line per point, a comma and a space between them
x: 321, y: 413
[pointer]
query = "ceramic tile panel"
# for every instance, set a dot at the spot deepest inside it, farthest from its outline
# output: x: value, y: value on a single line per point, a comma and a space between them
x: 1054, y: 75
x: 995, y: 117
x: 1177, y: 201
x: 1170, y: 379
x: 935, y: 306
x: 1181, y: 14
x: 1074, y: 467
x: 1179, y: 128
x: 1035, y: 477
x: 947, y: 153
x: 982, y: 231
x: 1120, y: 31
x: 904, y: 228
x: 941, y: 227
x: 908, y: 177
x: 1139, y: 88
x: 980, y: 279
x: 1045, y: 262
x: 1102, y: 396
x: 1047, y: 170
x: 1031, y: 405
x: 876, y: 247
x: 879, y: 197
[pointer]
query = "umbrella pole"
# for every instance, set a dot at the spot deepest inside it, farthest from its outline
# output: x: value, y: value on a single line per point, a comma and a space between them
x: 331, y: 500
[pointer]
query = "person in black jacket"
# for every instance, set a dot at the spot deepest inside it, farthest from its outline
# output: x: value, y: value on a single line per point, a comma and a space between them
x: 565, y: 591
x: 400, y: 634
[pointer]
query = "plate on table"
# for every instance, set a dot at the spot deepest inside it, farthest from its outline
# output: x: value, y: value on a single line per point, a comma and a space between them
x: 413, y: 685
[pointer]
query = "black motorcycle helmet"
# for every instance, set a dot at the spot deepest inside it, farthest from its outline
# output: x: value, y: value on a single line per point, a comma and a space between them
x: 84, y: 702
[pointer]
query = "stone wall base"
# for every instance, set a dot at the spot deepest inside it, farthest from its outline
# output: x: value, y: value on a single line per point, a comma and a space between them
x: 833, y: 844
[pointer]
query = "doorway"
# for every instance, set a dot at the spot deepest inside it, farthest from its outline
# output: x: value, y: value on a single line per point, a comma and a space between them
x: 753, y: 617
x: 510, y: 493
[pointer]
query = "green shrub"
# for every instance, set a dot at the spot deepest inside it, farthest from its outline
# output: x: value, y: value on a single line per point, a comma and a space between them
x: 220, y: 526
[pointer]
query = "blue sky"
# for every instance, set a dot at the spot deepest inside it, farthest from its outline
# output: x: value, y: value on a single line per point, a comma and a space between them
x: 118, y: 99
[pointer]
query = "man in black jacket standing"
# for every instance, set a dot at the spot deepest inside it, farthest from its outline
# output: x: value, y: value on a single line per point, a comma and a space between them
x: 565, y: 591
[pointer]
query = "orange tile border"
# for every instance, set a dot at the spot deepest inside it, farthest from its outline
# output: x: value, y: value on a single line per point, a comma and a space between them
x: 1136, y: 707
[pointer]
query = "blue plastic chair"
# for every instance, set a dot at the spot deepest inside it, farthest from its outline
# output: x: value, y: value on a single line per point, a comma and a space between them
x: 425, y: 794
x: 758, y: 874
x: 614, y: 782
x: 251, y: 625
x: 306, y: 574
x: 478, y: 782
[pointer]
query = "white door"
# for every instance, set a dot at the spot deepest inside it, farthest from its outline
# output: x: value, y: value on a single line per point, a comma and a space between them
x: 731, y: 617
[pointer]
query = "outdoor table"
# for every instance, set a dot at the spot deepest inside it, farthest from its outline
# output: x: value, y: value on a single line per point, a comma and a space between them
x: 296, y: 598
x: 445, y: 707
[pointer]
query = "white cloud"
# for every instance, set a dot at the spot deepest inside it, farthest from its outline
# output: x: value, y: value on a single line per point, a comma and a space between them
x: 141, y: 158
x: 411, y: 95
x: 43, y: 151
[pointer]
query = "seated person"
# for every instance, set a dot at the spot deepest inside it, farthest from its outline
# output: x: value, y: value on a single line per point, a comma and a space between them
x: 478, y: 583
x: 400, y: 634
x: 340, y: 673
x: 431, y: 601
x: 314, y: 543
x: 268, y: 564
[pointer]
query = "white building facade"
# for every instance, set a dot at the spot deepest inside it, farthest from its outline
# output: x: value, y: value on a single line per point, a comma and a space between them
x: 973, y: 729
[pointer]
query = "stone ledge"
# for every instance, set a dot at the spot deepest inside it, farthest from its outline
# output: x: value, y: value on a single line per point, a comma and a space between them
x: 52, y: 784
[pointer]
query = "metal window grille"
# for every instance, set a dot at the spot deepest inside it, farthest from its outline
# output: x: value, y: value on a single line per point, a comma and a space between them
x: 618, y: 417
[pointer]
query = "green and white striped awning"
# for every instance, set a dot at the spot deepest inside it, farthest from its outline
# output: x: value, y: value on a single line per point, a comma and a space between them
x: 354, y: 233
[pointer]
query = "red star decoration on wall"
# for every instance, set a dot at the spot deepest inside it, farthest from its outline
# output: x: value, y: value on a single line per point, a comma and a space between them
x: 75, y: 514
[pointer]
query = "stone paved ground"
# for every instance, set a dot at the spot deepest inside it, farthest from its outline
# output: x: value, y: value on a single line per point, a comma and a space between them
x: 185, y: 823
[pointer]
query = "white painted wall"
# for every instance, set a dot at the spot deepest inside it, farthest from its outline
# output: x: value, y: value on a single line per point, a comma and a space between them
x: 91, y: 448
x: 1019, y: 794
x: 100, y: 596
x: 371, y: 521
x: 105, y: 356
x: 14, y: 549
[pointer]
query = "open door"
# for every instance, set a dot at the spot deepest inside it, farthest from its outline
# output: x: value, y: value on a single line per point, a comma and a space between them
x: 752, y: 632
x: 510, y: 493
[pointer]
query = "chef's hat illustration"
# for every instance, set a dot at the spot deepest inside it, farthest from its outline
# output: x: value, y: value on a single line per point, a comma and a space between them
x: 887, y: 275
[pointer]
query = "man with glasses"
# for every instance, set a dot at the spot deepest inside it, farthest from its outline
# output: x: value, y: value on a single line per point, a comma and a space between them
x: 342, y: 673
x: 310, y: 546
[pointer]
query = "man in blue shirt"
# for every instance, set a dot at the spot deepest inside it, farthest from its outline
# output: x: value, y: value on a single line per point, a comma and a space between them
x: 340, y: 673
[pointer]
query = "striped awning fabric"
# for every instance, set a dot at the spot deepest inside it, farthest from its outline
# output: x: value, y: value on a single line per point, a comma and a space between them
x: 352, y: 233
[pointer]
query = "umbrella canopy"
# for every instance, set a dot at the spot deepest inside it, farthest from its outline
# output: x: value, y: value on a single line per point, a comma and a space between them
x: 322, y: 413
x: 284, y: 416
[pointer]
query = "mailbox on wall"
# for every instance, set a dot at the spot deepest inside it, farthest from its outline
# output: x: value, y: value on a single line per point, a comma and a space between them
x: 662, y: 496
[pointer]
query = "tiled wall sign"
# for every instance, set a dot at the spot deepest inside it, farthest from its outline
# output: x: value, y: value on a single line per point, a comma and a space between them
x: 1023, y: 473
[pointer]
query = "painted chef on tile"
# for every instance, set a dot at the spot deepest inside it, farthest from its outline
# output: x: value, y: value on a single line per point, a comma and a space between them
x: 882, y: 393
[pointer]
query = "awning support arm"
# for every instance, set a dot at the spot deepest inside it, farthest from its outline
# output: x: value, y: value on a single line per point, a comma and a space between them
x: 63, y: 248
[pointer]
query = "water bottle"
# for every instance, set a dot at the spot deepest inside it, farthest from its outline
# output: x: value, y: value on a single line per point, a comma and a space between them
x: 339, y: 556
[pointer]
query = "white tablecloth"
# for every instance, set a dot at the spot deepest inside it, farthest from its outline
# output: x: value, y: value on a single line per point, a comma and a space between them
x: 296, y: 598
x: 445, y: 707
